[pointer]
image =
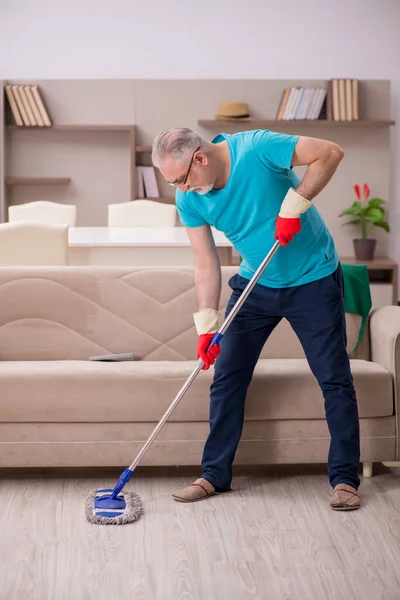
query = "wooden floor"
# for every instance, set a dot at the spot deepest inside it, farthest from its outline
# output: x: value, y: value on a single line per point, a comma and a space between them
x: 274, y: 538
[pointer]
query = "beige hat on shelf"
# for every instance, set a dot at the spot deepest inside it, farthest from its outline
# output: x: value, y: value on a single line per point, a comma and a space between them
x: 233, y: 111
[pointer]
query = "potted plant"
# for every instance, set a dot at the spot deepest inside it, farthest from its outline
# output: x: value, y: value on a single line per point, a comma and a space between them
x: 367, y: 213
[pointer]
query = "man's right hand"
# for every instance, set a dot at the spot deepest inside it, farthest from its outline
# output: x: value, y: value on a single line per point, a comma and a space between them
x: 207, y: 353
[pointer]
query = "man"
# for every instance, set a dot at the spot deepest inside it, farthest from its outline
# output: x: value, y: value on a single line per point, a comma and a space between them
x: 245, y: 186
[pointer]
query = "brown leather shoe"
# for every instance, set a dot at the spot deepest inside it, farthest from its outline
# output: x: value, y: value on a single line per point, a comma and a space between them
x: 199, y: 490
x: 345, y: 497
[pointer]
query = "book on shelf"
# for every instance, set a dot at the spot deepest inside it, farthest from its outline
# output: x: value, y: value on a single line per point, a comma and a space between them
x: 337, y: 102
x: 345, y: 100
x: 12, y: 113
x: 299, y: 103
x: 146, y: 183
x: 25, y: 106
x: 35, y: 108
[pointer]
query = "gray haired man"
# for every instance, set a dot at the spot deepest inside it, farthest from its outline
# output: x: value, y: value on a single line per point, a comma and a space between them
x: 244, y: 185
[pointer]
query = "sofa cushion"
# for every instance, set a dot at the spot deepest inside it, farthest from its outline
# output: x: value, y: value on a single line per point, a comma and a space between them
x: 71, y: 313
x: 85, y: 391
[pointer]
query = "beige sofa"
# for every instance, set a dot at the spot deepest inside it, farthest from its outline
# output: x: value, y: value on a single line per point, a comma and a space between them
x: 57, y: 408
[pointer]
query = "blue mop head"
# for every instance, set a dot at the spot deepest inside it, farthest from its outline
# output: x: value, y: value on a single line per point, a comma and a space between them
x: 102, y: 509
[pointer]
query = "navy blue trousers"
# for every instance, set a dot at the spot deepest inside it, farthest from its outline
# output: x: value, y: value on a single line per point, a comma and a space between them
x: 316, y: 313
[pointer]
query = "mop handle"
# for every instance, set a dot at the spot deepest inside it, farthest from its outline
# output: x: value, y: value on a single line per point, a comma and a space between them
x: 216, y: 339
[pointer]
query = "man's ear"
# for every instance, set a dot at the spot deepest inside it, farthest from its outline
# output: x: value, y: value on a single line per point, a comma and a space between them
x: 201, y: 158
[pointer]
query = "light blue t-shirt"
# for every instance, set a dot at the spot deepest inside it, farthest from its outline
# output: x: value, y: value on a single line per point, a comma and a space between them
x: 245, y: 210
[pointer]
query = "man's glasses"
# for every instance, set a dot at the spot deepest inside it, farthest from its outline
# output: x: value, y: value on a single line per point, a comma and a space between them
x: 183, y: 182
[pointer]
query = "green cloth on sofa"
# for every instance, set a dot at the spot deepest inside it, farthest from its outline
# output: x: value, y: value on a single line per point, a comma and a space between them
x: 357, y: 294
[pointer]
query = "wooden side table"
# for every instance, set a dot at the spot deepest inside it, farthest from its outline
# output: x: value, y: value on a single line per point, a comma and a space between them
x: 382, y: 271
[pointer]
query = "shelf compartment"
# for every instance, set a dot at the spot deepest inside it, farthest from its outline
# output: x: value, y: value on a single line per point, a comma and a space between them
x: 37, y: 180
x: 263, y: 123
x: 83, y: 127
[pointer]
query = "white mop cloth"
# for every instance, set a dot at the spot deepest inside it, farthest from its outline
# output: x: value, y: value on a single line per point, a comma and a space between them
x: 131, y: 512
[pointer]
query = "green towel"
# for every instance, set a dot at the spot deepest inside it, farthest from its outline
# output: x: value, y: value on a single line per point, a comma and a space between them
x: 357, y: 294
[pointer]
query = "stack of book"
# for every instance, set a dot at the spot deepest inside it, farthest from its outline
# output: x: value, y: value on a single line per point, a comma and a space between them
x: 343, y: 100
x: 299, y: 103
x: 146, y: 183
x: 338, y: 102
x: 26, y: 107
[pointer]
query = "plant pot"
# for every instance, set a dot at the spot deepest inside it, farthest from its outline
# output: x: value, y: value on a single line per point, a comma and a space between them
x: 364, y: 249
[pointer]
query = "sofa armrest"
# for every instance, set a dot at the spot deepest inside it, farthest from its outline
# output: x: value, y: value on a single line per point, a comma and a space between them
x: 384, y: 327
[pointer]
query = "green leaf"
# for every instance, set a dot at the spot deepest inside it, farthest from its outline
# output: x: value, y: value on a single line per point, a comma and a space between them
x: 374, y: 215
x: 384, y: 225
x: 375, y: 202
x: 355, y: 209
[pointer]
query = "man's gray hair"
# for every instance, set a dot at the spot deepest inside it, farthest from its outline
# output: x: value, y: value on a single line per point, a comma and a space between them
x: 178, y: 144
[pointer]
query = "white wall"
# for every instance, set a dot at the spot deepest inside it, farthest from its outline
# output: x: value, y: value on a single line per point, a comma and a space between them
x: 208, y: 39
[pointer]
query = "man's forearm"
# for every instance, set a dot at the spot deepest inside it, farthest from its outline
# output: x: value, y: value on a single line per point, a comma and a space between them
x: 208, y: 285
x: 319, y: 173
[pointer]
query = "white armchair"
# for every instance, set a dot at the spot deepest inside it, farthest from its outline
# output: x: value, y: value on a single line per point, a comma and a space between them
x: 29, y: 243
x: 142, y: 213
x: 43, y: 211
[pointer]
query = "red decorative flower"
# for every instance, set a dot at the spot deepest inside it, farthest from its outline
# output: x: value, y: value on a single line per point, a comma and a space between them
x: 357, y: 191
x: 366, y: 191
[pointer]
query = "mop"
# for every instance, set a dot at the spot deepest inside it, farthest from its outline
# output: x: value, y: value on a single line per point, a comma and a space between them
x: 115, y: 507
